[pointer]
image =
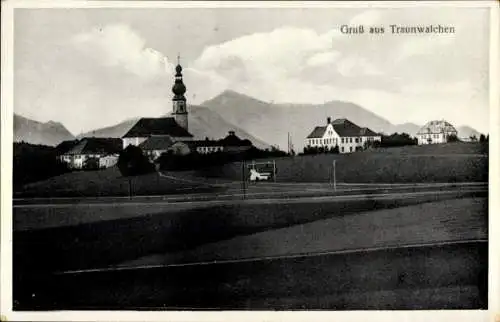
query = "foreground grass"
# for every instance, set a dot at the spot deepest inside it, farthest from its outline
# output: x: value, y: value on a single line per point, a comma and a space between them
x: 107, y: 242
x: 457, y: 162
x: 442, y: 221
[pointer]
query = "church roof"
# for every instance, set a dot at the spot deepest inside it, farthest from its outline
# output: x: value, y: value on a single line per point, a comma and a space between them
x: 344, y: 128
x: 157, y: 126
x: 157, y: 142
x: 96, y: 146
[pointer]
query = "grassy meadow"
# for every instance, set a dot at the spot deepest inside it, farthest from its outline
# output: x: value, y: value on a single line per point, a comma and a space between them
x: 108, y: 182
x: 454, y: 162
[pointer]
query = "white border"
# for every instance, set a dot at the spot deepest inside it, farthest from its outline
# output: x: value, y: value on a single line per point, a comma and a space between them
x: 6, y: 184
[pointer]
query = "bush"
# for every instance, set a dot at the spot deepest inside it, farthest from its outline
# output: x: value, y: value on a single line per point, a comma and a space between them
x: 309, y: 150
x: 452, y: 138
x: 397, y: 139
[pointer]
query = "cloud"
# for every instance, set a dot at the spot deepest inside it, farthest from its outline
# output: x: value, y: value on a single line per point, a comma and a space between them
x: 368, y: 17
x: 120, y: 46
x: 323, y: 58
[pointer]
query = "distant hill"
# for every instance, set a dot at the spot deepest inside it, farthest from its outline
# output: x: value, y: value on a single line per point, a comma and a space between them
x: 409, y: 128
x: 34, y: 132
x: 203, y: 122
x: 466, y: 132
x: 271, y: 122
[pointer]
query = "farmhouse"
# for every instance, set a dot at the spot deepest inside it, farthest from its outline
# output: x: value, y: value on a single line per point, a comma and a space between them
x: 343, y: 133
x: 170, y: 129
x: 104, y: 151
x: 436, y: 132
x: 231, y: 143
x: 155, y: 146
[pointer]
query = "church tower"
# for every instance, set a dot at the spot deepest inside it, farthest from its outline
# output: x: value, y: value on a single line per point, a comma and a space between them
x: 179, y: 110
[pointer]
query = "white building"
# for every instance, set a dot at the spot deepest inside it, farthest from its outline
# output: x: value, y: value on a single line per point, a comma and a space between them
x: 348, y: 136
x: 104, y: 152
x: 435, y: 132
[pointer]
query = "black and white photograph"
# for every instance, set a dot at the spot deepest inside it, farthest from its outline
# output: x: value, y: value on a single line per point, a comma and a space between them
x: 213, y: 157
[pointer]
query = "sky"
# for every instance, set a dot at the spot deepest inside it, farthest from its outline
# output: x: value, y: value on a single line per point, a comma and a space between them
x: 90, y: 68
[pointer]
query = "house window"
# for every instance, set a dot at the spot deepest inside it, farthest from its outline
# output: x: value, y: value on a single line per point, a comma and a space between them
x: 350, y: 141
x: 350, y: 149
x: 342, y: 149
x: 342, y: 142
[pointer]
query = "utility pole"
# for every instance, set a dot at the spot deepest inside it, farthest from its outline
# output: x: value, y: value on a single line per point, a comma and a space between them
x: 274, y: 170
x: 243, y: 181
x: 334, y: 176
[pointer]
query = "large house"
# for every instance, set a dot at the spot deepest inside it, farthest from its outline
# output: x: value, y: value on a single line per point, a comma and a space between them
x: 436, y: 132
x: 343, y: 133
x: 171, y: 129
x: 104, y: 151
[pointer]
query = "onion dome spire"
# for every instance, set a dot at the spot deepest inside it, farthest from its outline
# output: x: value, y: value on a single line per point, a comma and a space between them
x: 179, y: 89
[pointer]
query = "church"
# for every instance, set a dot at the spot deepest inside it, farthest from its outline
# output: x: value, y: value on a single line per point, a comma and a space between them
x: 156, y: 136
x: 166, y: 130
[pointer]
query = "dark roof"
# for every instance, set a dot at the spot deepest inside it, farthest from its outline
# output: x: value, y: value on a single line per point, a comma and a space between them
x: 65, y: 146
x: 233, y: 140
x: 318, y: 132
x: 157, y: 142
x: 367, y: 132
x: 230, y: 140
x: 344, y: 128
x: 157, y: 126
x: 96, y: 146
x: 199, y: 143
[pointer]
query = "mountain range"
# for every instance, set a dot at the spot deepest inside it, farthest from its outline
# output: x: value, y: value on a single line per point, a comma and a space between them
x: 34, y: 132
x: 261, y: 122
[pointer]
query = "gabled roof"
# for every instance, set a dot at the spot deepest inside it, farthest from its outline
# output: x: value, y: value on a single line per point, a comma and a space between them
x: 317, y: 133
x: 367, y: 132
x: 96, y: 146
x: 157, y: 126
x: 344, y: 128
x: 437, y: 127
x: 157, y: 142
x: 65, y: 146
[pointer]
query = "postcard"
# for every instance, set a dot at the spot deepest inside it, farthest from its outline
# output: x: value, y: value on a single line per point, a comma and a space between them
x: 216, y: 161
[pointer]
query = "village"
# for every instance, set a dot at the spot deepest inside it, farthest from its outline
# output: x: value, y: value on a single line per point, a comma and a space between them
x: 170, y: 135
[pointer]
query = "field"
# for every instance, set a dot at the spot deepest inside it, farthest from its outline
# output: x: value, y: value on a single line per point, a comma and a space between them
x: 108, y: 182
x: 454, y: 162
x: 73, y: 237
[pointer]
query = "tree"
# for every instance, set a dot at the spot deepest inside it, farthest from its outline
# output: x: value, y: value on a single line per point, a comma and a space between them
x: 452, y: 138
x: 482, y: 138
x: 132, y: 162
x: 91, y: 164
x: 473, y: 138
